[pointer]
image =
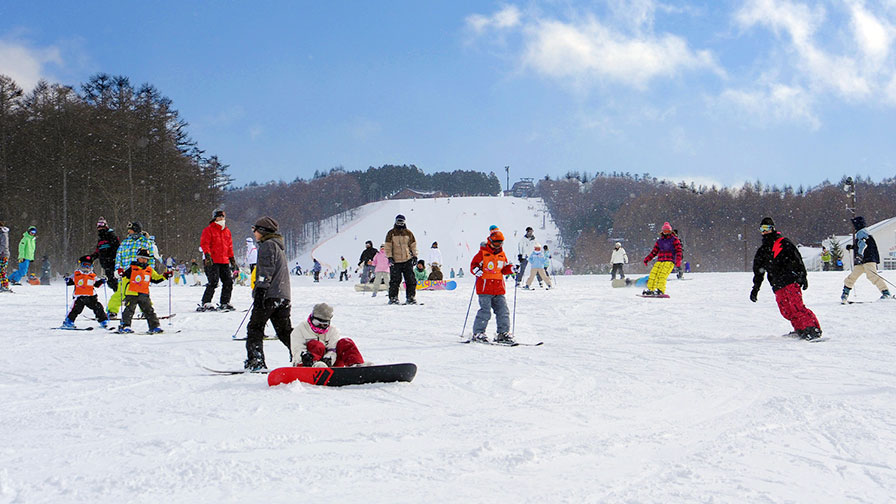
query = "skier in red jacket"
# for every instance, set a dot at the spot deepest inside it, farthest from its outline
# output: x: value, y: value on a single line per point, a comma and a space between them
x: 217, y: 251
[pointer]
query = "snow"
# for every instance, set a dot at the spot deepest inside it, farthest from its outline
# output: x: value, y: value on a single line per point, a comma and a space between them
x: 458, y: 224
x: 696, y: 398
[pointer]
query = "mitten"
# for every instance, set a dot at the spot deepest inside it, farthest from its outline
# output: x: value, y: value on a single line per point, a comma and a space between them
x: 754, y: 294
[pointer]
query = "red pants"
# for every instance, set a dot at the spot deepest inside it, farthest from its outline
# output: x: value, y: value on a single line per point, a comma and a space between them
x: 347, y: 353
x: 790, y: 302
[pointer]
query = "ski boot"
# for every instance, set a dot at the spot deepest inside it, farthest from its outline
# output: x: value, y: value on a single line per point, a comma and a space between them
x: 226, y: 307
x: 411, y: 300
x: 844, y: 298
x: 479, y: 338
x: 648, y: 292
x: 886, y: 294
x: 156, y: 330
x: 206, y: 307
x: 125, y: 330
x: 68, y: 324
x: 526, y: 287
x: 111, y: 315
x: 503, y: 338
x: 393, y: 300
x: 811, y: 333
x: 104, y: 324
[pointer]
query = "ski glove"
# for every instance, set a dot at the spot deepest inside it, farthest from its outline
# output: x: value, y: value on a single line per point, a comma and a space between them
x: 391, y: 262
x: 754, y: 294
x: 520, y: 257
x: 477, y: 272
x: 307, y: 359
x: 804, y: 283
x: 168, y: 274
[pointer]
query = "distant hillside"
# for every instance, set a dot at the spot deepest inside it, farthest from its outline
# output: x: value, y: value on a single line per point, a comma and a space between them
x: 458, y: 224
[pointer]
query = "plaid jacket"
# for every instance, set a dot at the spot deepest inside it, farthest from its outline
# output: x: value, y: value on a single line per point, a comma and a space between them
x: 127, y: 251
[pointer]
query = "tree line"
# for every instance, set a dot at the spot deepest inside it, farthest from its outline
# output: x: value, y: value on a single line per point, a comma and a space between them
x: 718, y: 226
x: 69, y: 156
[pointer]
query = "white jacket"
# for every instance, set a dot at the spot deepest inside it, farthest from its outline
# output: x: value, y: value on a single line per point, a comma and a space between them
x: 251, y: 253
x: 526, y: 246
x: 302, y: 334
x: 619, y: 256
x: 435, y: 256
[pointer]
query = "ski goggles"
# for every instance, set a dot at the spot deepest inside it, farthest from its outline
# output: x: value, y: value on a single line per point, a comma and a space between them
x: 319, y: 322
x: 766, y: 228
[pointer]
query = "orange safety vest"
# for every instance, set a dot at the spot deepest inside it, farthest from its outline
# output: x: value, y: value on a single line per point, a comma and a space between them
x: 492, y: 264
x: 84, y: 283
x: 140, y: 277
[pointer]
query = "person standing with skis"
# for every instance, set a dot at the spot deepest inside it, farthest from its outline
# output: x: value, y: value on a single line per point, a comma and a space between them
x: 217, y: 249
x: 27, y: 246
x: 667, y: 250
x: 490, y: 265
x: 106, y: 247
x: 401, y: 249
x: 4, y: 257
x: 84, y: 280
x: 867, y: 258
x: 525, y: 247
x: 780, y: 260
x: 366, y: 261
x: 126, y: 255
x: 271, y: 293
x: 139, y: 275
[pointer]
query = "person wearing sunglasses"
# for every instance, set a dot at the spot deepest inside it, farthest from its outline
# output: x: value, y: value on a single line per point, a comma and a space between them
x: 780, y: 260
x: 271, y: 293
x: 317, y: 344
x: 667, y: 251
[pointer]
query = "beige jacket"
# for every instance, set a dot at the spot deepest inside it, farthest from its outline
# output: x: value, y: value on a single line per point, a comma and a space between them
x: 302, y: 334
x: 401, y: 245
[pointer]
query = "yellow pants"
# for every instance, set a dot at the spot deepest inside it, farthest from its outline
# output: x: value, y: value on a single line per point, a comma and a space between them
x: 659, y: 274
x: 117, y: 298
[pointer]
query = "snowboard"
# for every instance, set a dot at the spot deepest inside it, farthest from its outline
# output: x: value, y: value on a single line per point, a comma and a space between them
x: 368, y: 287
x: 629, y: 282
x: 338, y: 377
x: 663, y: 296
x: 796, y: 337
x: 437, y: 285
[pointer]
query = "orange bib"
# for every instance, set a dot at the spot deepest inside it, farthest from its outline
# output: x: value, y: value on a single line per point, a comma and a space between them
x: 139, y: 281
x: 492, y: 264
x: 84, y: 283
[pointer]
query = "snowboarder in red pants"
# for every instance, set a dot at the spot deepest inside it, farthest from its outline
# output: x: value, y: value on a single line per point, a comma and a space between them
x: 779, y: 258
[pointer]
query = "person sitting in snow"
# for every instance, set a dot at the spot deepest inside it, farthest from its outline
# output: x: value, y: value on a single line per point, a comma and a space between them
x: 779, y: 258
x: 435, y: 275
x: 420, y: 273
x: 316, y: 344
x: 490, y: 265
x: 84, y: 280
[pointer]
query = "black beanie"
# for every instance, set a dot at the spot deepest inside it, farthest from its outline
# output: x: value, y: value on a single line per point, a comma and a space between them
x: 858, y: 222
x: 767, y: 221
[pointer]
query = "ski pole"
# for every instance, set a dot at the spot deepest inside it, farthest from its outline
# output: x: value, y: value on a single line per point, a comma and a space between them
x: 169, y: 300
x: 244, y: 320
x: 884, y: 279
x: 467, y: 316
x: 513, y: 323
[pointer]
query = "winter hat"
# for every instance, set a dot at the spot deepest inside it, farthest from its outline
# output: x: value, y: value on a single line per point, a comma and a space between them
x: 143, y: 254
x: 767, y: 221
x: 667, y: 227
x: 492, y: 228
x: 528, y: 229
x: 86, y: 260
x: 617, y: 244
x: 101, y: 223
x: 322, y: 311
x: 368, y: 242
x: 496, y: 235
x: 217, y: 213
x: 421, y: 261
x: 858, y: 222
x: 32, y: 228
x: 266, y: 225
x: 400, y: 220
x: 537, y: 247
x: 435, y: 245
x: 135, y: 227
x: 249, y: 240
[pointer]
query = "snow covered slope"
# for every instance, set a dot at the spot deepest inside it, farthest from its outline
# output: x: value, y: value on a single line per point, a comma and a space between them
x: 696, y: 398
x: 459, y: 225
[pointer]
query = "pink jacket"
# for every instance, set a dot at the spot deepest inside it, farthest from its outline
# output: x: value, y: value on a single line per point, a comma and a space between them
x: 381, y: 262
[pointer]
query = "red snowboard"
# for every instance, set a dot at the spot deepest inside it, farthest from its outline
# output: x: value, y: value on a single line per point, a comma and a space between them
x: 337, y: 377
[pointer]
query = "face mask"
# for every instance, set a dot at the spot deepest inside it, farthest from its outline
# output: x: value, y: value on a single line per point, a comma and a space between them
x: 220, y: 223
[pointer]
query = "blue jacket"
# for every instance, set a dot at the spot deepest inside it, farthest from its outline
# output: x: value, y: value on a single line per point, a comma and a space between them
x: 538, y: 260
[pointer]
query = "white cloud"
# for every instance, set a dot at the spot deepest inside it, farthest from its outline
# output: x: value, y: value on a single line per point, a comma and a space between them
x: 27, y: 65
x: 507, y: 17
x: 776, y: 103
x: 873, y: 35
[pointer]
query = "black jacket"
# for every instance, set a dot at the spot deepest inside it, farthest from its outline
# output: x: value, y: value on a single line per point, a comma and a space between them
x: 368, y: 255
x: 779, y: 258
x: 106, y: 246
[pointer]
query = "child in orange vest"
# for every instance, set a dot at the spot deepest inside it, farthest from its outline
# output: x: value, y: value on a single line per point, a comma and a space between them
x: 490, y: 265
x: 84, y: 280
x: 140, y: 274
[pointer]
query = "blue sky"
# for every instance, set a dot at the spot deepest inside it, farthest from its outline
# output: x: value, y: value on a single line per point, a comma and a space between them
x: 784, y: 91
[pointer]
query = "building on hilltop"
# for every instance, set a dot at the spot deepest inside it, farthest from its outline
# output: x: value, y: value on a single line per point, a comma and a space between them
x: 523, y: 188
x: 408, y: 193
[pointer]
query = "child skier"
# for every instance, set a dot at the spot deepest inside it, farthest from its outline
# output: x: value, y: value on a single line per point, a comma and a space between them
x: 490, y: 265
x: 380, y: 269
x: 779, y: 258
x: 537, y: 264
x: 319, y: 345
x: 667, y: 250
x: 139, y: 275
x: 84, y: 280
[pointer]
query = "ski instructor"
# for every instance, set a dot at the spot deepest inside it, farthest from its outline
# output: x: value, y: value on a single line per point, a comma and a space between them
x: 217, y: 251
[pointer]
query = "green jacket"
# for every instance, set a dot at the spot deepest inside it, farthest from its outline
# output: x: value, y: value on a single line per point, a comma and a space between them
x: 27, y: 246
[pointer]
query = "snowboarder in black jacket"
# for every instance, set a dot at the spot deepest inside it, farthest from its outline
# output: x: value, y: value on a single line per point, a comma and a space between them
x: 779, y: 258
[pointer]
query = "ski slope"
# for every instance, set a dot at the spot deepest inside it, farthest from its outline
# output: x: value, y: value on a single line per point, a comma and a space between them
x: 696, y: 398
x: 458, y: 224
